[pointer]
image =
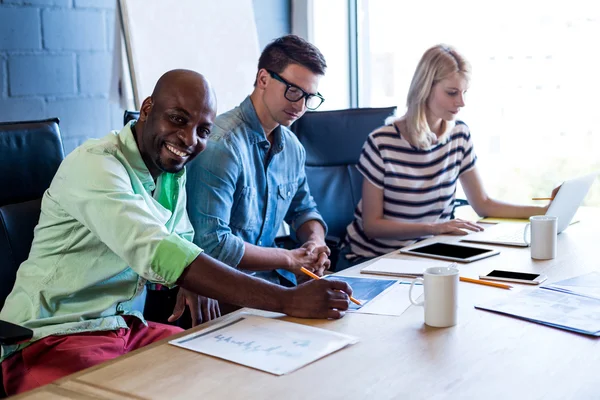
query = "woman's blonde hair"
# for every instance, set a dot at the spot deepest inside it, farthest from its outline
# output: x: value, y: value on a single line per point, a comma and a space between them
x: 438, y: 63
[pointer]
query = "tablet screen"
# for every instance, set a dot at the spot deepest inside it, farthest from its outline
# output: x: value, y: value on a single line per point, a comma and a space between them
x: 450, y: 250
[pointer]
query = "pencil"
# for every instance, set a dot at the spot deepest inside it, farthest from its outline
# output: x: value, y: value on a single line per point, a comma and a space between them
x: 543, y: 198
x: 314, y: 276
x: 481, y: 282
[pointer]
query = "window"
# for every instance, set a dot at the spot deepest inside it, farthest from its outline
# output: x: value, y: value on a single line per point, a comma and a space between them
x: 535, y: 90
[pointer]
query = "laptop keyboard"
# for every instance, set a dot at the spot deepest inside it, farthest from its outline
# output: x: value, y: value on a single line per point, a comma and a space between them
x: 511, y: 234
x: 510, y: 237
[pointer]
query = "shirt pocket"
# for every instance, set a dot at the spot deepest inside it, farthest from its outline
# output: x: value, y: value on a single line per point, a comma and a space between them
x: 245, y: 210
x: 285, y: 194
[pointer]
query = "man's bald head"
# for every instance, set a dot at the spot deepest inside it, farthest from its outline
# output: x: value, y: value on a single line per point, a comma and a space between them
x: 176, y: 79
x: 175, y: 121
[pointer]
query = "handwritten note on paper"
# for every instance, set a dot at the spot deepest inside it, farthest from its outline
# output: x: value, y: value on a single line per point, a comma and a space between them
x: 270, y: 345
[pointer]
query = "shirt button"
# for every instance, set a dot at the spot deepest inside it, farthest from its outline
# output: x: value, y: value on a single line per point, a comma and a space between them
x: 260, y: 242
x: 289, y: 193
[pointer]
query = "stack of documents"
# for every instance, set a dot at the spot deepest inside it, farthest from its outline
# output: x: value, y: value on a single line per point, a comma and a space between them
x: 572, y: 304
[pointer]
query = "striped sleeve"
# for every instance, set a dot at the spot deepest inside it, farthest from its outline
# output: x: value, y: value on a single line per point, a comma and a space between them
x: 370, y: 163
x: 469, y: 158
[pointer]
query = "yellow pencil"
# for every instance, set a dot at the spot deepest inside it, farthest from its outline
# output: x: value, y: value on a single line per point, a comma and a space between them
x: 314, y: 276
x: 486, y: 283
x: 543, y: 198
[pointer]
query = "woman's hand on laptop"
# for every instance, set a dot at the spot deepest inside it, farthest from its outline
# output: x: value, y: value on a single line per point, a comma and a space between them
x: 553, y: 195
x: 456, y: 227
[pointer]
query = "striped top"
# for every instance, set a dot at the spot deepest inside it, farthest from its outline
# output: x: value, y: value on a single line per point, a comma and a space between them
x: 418, y: 185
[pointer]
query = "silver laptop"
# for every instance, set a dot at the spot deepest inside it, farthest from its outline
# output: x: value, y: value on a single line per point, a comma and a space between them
x: 564, y: 206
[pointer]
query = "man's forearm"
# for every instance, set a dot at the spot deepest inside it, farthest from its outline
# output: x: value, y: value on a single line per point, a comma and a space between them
x: 258, y: 258
x: 211, y: 278
x: 311, y: 230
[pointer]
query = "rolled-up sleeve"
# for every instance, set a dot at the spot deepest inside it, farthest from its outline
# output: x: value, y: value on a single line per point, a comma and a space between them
x: 303, y: 207
x: 96, y: 190
x: 211, y: 183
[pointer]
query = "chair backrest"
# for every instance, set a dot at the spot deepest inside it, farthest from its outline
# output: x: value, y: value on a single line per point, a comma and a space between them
x: 30, y: 153
x: 333, y: 141
x: 129, y: 115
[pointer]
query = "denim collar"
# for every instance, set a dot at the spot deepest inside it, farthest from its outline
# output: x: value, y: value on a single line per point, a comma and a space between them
x: 256, y: 133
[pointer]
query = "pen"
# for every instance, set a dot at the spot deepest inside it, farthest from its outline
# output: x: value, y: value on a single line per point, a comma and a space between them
x: 543, y: 198
x: 314, y: 276
x: 481, y: 282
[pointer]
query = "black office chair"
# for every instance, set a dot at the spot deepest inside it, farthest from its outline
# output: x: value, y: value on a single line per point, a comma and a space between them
x: 130, y: 115
x: 333, y: 141
x: 30, y: 153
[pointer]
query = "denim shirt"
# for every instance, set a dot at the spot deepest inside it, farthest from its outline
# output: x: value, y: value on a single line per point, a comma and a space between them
x: 239, y: 191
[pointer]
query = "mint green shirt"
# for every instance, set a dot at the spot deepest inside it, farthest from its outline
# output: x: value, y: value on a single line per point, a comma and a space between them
x: 101, y: 236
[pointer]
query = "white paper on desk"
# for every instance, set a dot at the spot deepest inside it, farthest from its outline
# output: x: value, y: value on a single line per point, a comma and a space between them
x: 587, y: 285
x: 392, y: 302
x: 549, y: 307
x: 400, y: 267
x: 270, y: 345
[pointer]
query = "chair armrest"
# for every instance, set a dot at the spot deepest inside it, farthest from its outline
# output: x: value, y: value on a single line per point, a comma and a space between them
x: 13, y: 334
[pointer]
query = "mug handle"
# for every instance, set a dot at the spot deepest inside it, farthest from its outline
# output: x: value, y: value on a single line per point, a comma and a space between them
x: 412, y: 284
x: 527, y: 228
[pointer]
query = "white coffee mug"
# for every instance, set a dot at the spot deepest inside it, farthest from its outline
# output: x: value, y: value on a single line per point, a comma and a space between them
x: 440, y: 286
x: 544, y: 230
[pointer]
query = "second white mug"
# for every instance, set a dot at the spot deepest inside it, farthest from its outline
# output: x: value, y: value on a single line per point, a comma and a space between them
x: 440, y: 285
x: 544, y: 230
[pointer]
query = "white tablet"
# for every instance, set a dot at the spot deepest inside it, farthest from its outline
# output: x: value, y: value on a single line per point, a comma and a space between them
x: 451, y: 251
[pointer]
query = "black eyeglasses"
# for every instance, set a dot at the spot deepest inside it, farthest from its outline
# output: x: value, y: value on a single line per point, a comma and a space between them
x: 293, y: 93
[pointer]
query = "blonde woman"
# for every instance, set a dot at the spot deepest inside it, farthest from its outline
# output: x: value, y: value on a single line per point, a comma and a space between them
x: 411, y: 167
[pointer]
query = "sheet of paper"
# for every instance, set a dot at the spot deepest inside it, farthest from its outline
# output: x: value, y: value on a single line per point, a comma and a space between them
x: 270, y: 345
x: 549, y: 307
x: 364, y: 289
x: 584, y: 285
x: 400, y: 267
x: 393, y: 302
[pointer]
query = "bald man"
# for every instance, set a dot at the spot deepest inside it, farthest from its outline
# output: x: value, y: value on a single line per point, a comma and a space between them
x: 115, y: 218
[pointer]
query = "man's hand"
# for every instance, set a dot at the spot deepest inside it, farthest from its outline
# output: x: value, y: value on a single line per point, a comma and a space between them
x: 323, y: 252
x: 202, y: 309
x: 311, y: 256
x: 324, y: 298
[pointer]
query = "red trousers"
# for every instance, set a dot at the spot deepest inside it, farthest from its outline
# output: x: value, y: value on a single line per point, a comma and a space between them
x: 54, y: 357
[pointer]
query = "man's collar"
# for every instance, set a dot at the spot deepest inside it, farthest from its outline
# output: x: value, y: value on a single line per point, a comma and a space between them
x: 132, y: 154
x: 257, y: 132
x: 250, y: 116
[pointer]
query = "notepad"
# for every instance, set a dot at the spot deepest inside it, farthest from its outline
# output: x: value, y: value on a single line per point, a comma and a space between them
x: 494, y: 220
x: 400, y: 267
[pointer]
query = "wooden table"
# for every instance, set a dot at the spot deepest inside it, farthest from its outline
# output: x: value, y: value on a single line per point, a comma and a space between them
x: 485, y: 356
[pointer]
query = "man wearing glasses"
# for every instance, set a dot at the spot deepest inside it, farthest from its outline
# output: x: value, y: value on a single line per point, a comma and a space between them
x: 251, y: 176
